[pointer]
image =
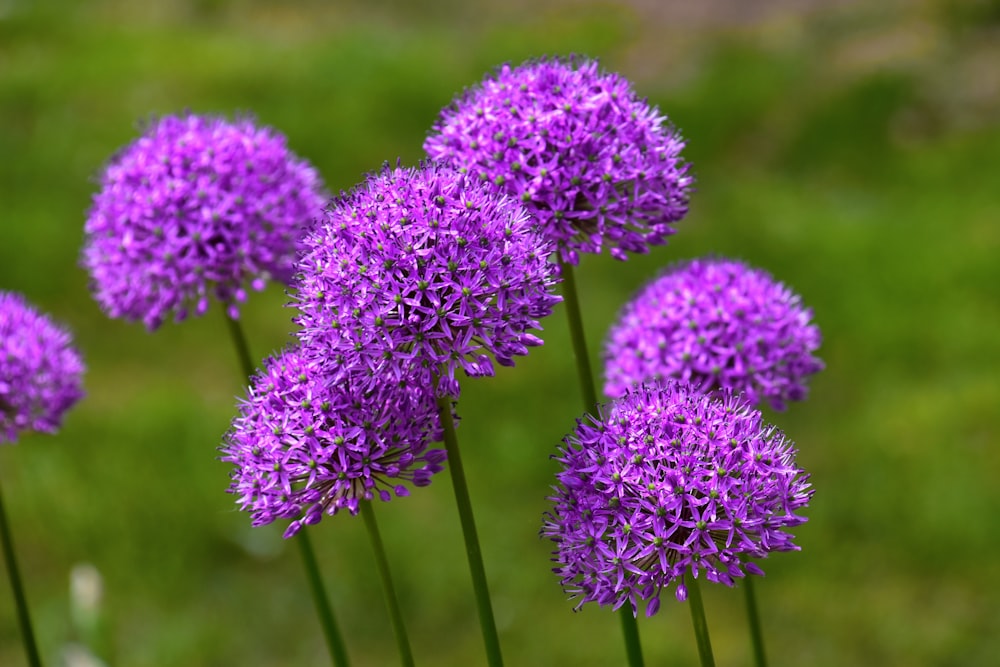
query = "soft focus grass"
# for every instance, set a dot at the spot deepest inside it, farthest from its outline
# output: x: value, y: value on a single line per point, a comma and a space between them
x: 860, y: 190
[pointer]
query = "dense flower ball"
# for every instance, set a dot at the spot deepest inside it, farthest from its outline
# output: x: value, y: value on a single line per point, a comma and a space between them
x: 593, y: 161
x: 196, y: 206
x: 668, y: 481
x: 40, y: 370
x: 307, y: 443
x: 424, y: 267
x: 715, y: 323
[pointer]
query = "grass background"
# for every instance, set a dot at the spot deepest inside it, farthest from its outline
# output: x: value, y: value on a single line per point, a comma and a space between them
x: 849, y: 149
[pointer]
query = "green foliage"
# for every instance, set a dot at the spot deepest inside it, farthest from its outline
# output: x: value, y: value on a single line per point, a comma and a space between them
x: 889, y: 233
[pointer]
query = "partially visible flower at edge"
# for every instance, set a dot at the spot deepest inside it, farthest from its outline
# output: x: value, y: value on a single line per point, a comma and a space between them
x: 595, y: 163
x: 426, y: 268
x: 307, y: 443
x: 716, y: 323
x: 197, y: 206
x: 667, y: 481
x: 40, y: 370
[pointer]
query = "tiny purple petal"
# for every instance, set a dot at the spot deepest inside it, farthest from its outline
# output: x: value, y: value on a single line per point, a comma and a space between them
x: 653, y: 606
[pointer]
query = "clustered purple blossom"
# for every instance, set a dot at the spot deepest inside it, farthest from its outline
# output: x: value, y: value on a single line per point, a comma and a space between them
x: 668, y: 481
x: 715, y: 323
x: 40, y: 370
x: 308, y: 443
x: 425, y: 268
x: 196, y: 206
x: 596, y: 164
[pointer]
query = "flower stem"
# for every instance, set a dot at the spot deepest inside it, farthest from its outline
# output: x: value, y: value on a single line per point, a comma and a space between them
x: 630, y: 629
x: 572, y: 300
x: 756, y: 634
x: 334, y: 641
x: 27, y: 636
x: 391, y: 601
x: 240, y: 343
x: 472, y: 549
x: 699, y: 622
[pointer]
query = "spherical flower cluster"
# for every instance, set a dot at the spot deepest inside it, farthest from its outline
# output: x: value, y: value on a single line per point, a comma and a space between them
x: 40, y: 370
x: 715, y: 323
x: 668, y: 481
x: 596, y: 164
x: 197, y: 205
x: 307, y: 443
x: 424, y: 268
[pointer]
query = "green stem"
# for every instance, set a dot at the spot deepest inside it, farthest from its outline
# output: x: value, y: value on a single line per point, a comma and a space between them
x: 472, y: 549
x: 27, y: 636
x: 572, y: 301
x: 334, y: 641
x: 756, y: 634
x: 588, y: 389
x: 240, y: 343
x: 391, y: 601
x: 699, y: 622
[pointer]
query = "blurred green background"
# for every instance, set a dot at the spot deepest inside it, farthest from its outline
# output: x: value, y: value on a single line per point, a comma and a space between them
x: 851, y: 149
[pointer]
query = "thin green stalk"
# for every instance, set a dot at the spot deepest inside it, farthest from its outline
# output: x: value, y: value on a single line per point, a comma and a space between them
x: 472, y: 549
x: 240, y: 343
x: 756, y: 634
x: 391, y: 601
x: 572, y: 300
x: 334, y: 640
x: 699, y: 622
x: 630, y: 629
x: 27, y: 636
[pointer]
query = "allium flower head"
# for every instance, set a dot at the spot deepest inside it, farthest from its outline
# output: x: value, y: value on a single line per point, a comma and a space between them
x: 593, y: 161
x: 40, y: 370
x: 715, y: 323
x: 307, y: 443
x: 424, y: 267
x: 196, y: 206
x: 669, y: 481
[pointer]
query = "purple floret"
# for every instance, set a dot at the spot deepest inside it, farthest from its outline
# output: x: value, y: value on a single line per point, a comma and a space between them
x: 715, y: 323
x: 424, y: 268
x: 40, y: 370
x: 668, y: 482
x: 596, y: 164
x: 307, y: 443
x: 197, y: 206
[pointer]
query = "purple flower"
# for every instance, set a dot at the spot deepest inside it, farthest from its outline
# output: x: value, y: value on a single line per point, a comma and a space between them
x: 669, y: 481
x: 427, y: 268
x: 40, y: 370
x: 715, y: 323
x: 196, y: 206
x: 595, y: 163
x: 307, y: 443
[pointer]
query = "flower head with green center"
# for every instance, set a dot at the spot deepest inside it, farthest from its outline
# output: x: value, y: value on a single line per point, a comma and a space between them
x: 40, y: 370
x: 715, y: 323
x: 596, y: 164
x: 667, y: 481
x: 196, y: 206
x: 424, y: 268
x: 307, y: 443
